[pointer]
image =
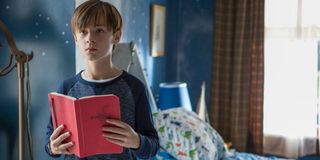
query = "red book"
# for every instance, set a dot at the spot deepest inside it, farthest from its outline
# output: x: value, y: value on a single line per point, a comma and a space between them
x: 84, y: 119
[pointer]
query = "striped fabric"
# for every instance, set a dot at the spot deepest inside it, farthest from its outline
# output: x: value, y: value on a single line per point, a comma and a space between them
x: 237, y: 85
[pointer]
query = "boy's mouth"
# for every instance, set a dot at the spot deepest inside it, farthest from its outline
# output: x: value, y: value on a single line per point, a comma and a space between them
x: 91, y: 49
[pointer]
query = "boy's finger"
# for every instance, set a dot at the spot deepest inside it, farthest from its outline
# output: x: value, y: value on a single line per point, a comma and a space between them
x: 56, y: 132
x: 114, y: 136
x: 65, y: 146
x: 115, y: 130
x: 61, y: 138
x: 115, y: 141
x: 117, y: 123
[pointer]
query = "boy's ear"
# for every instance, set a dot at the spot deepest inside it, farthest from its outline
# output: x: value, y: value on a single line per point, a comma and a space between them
x: 116, y: 37
x: 75, y: 38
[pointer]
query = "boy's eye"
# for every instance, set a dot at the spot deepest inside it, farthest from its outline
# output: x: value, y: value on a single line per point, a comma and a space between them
x: 83, y: 32
x: 100, y: 30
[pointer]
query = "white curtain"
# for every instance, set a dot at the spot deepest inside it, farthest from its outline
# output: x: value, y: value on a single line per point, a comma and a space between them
x: 292, y: 31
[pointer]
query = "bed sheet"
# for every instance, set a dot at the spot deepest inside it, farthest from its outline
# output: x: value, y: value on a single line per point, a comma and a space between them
x: 233, y: 155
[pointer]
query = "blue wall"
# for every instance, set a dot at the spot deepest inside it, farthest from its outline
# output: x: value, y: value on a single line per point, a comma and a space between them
x: 136, y: 15
x: 189, y: 45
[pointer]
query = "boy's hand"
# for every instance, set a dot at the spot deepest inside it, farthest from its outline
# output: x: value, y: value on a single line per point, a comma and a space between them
x: 121, y: 134
x: 56, y: 145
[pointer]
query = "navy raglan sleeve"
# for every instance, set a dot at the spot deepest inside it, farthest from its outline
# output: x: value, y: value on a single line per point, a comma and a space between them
x: 149, y: 141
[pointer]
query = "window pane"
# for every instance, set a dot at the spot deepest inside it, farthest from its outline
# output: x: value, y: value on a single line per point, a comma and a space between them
x: 290, y: 91
x: 281, y: 13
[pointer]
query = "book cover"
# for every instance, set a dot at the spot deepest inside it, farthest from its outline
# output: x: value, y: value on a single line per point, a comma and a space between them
x: 84, y: 119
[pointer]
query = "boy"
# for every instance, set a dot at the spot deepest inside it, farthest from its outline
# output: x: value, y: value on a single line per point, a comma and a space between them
x: 96, y: 27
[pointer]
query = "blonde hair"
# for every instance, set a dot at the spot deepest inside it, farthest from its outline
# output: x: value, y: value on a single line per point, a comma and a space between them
x: 98, y: 13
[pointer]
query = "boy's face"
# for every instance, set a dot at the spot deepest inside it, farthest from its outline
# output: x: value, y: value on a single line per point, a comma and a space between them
x: 96, y: 42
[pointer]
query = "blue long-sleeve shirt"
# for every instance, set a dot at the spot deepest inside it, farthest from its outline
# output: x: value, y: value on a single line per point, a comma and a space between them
x: 134, y: 107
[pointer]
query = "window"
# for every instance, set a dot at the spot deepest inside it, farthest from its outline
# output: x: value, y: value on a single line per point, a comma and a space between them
x: 292, y: 31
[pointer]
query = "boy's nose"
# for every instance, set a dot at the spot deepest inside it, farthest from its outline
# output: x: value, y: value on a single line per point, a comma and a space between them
x: 90, y: 41
x: 90, y: 38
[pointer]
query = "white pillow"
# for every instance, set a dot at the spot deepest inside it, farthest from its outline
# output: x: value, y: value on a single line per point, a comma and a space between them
x: 185, y: 136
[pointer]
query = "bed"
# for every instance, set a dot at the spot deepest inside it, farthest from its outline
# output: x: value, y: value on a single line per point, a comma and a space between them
x: 185, y: 136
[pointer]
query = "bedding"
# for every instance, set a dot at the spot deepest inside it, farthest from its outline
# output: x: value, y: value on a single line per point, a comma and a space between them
x: 233, y: 155
x: 185, y: 136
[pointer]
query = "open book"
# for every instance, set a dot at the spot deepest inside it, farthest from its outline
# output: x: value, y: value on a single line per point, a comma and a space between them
x: 84, y: 119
